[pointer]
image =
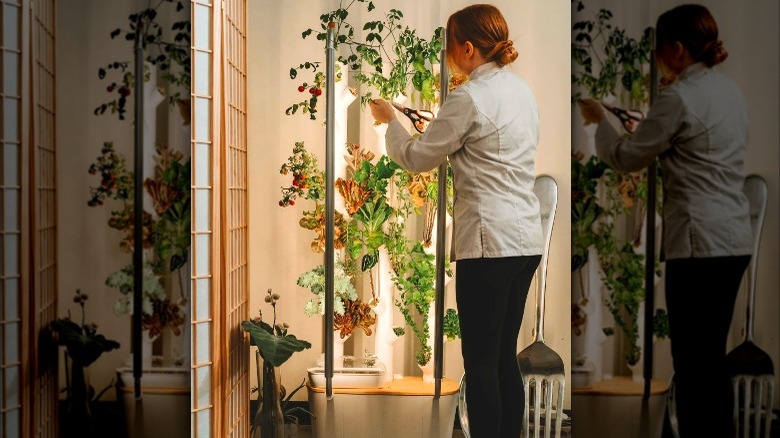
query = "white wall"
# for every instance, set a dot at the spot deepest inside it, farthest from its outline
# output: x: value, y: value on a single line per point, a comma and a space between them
x: 750, y: 34
x: 88, y: 250
x: 279, y: 247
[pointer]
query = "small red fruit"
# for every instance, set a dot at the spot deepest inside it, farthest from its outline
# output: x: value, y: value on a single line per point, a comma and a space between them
x: 281, y: 203
x: 318, y: 92
x: 312, y: 90
x: 301, y: 88
x: 292, y: 202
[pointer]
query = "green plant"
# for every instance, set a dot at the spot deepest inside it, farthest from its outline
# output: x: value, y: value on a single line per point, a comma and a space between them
x: 451, y: 325
x: 83, y: 346
x: 170, y: 190
x: 171, y: 57
x: 415, y: 282
x: 593, y: 224
x: 410, y: 57
x: 167, y: 232
x: 365, y: 193
x: 605, y: 61
x: 604, y: 55
x: 274, y: 342
x: 275, y: 345
x: 314, y: 280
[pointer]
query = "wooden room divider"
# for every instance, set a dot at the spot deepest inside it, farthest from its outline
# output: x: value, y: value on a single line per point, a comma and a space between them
x: 28, y: 272
x: 220, y: 403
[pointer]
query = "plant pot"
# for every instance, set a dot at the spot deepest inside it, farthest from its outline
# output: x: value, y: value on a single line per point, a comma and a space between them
x: 581, y: 377
x: 338, y: 345
x: 427, y: 370
x: 291, y: 430
x: 78, y: 411
x: 637, y: 374
x: 271, y: 415
x: 146, y: 349
x: 165, y: 406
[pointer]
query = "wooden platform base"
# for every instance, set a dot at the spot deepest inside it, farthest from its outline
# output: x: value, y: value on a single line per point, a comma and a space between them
x: 405, y: 386
x: 614, y: 408
x: 405, y: 408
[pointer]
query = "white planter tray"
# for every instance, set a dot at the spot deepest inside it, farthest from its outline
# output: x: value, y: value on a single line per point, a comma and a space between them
x: 357, y: 377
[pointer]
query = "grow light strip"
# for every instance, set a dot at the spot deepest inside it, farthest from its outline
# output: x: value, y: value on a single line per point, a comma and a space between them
x: 650, y: 241
x: 330, y: 197
x: 441, y: 228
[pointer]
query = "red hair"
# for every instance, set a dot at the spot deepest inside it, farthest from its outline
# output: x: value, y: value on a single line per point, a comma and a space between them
x: 484, y: 26
x: 694, y: 27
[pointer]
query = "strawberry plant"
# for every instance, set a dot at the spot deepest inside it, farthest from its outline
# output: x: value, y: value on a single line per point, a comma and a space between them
x: 386, y: 41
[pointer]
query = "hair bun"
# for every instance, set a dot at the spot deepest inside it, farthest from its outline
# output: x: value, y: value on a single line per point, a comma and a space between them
x: 503, y: 53
x: 714, y: 53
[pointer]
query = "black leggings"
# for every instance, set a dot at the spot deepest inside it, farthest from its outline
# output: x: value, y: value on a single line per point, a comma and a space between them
x: 491, y: 297
x: 700, y: 295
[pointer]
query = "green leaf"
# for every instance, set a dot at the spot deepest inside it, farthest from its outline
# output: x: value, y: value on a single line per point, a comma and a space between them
x: 84, y: 348
x: 368, y: 262
x: 274, y: 349
x: 177, y: 262
x: 293, y: 73
x: 371, y: 7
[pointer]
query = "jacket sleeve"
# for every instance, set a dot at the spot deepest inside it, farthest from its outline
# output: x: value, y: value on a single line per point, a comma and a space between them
x: 653, y: 136
x: 455, y: 122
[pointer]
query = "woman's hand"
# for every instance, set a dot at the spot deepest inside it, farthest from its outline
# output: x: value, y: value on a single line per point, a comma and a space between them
x: 382, y: 110
x: 592, y: 111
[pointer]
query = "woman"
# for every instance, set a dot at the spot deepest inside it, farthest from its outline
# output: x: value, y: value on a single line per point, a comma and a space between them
x: 489, y: 129
x: 698, y: 128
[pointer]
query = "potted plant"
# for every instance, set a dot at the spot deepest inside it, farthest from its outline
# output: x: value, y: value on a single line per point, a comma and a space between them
x: 166, y: 232
x: 608, y: 62
x: 409, y: 57
x: 83, y: 346
x: 275, y: 345
x: 166, y: 199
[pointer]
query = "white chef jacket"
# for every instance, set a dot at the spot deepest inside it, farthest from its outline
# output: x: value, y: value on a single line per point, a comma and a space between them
x: 489, y: 128
x: 698, y: 127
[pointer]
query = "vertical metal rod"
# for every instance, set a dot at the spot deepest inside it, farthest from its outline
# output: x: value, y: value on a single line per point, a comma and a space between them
x: 330, y: 197
x: 441, y: 228
x: 650, y: 242
x: 138, y: 212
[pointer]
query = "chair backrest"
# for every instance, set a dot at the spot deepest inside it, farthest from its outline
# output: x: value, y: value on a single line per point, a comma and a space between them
x: 756, y: 191
x: 546, y: 190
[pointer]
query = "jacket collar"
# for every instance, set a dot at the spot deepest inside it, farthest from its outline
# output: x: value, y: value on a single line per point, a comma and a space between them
x: 692, y: 70
x: 484, y: 69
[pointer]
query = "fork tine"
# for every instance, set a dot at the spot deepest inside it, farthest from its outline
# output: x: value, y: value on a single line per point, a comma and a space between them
x: 526, y: 387
x: 559, y: 418
x: 537, y: 405
x: 548, y: 408
x: 769, y: 400
x: 736, y: 382
x: 759, y: 407
x: 746, y: 412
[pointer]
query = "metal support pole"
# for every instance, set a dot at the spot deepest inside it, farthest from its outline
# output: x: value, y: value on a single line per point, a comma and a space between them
x: 138, y: 214
x: 441, y: 228
x: 330, y: 197
x: 650, y: 243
